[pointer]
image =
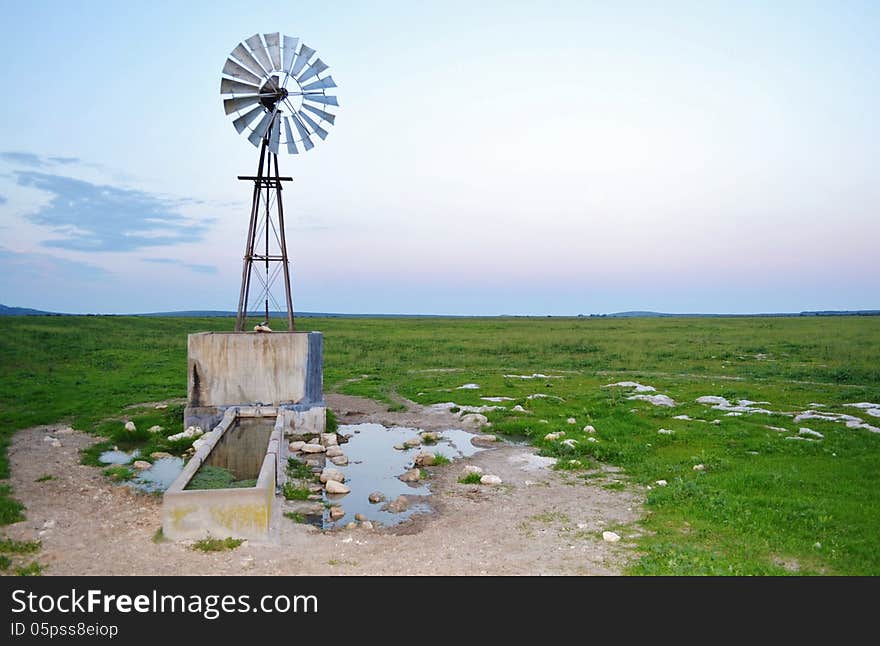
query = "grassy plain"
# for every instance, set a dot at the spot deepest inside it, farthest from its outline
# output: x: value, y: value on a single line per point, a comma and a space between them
x: 762, y: 504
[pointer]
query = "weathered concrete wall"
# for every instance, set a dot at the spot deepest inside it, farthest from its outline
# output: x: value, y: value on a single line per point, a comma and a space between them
x: 243, y: 368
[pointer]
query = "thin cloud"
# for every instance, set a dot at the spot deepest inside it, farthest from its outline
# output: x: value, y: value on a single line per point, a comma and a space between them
x: 93, y: 217
x: 202, y: 269
x: 25, y: 159
x: 3, y: 199
x: 65, y: 160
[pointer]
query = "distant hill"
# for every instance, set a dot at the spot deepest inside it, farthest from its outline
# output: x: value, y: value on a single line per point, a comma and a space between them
x: 6, y: 310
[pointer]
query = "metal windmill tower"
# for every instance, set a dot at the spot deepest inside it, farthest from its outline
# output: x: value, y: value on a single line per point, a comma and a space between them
x: 269, y: 83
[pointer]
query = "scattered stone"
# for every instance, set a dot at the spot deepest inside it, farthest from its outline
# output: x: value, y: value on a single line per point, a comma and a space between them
x: 140, y: 465
x: 129, y: 426
x: 570, y: 443
x: 161, y: 406
x: 484, y: 439
x: 475, y: 420
x: 333, y: 451
x: 260, y: 327
x: 365, y: 524
x: 666, y: 431
x: 610, y: 537
x: 376, y: 497
x: 661, y: 483
x: 360, y: 517
x: 400, y: 447
x: 339, y: 460
x: 471, y: 468
x: 497, y: 400
x: 699, y: 467
x: 715, y: 421
x: 657, y: 400
x: 413, y: 475
x: 191, y: 431
x: 49, y: 438
x: 424, y: 459
x: 296, y: 446
x: 589, y: 429
x: 155, y: 429
x: 592, y: 439
x: 412, y: 442
x: 64, y: 431
x: 351, y: 525
x: 331, y: 474
x: 159, y: 455
x: 571, y: 420
x: 519, y: 409
x: 399, y: 504
x: 329, y: 439
x: 632, y: 384
x: 798, y: 437
x: 684, y: 417
x: 312, y: 448
x: 552, y: 437
x: 469, y: 387
x: 334, y: 487
x: 336, y: 512
x: 490, y: 479
x: 316, y: 496
x: 429, y: 436
x: 777, y: 428
x: 811, y: 433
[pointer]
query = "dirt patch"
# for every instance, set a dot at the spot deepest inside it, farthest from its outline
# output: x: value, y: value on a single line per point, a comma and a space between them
x: 539, y: 521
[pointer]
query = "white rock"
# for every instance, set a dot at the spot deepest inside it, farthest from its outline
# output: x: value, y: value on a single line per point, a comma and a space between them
x: 571, y: 420
x: 333, y: 451
x: 140, y: 465
x: 159, y: 455
x: 632, y: 384
x: 686, y: 417
x: 484, y: 439
x: 778, y: 429
x: 661, y: 483
x: 329, y: 439
x: 657, y: 400
x: 715, y: 421
x: 295, y: 446
x: 365, y: 524
x: 552, y: 437
x: 339, y: 460
x: 592, y: 439
x: 155, y: 429
x: 413, y: 475
x: 519, y: 409
x: 474, y: 420
x: 376, y: 497
x: 312, y: 448
x: 332, y: 474
x: 497, y: 400
x: 798, y: 437
x: 570, y: 443
x: 262, y: 328
x: 67, y: 430
x: 424, y: 459
x: 334, y: 487
x: 56, y: 443
x: 471, y: 468
x: 469, y: 387
x: 666, y: 431
x: 712, y: 399
x: 161, y: 406
x: 490, y: 479
x: 699, y: 467
x: 589, y: 428
x: 336, y: 512
x: 412, y: 442
x: 811, y: 433
x: 129, y: 426
x: 610, y: 537
x: 399, y: 447
x: 49, y: 439
x: 191, y: 431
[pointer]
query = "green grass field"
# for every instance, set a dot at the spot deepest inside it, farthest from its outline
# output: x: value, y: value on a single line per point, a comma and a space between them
x: 762, y: 504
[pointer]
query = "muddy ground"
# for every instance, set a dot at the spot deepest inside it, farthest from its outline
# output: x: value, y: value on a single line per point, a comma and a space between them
x: 539, y: 521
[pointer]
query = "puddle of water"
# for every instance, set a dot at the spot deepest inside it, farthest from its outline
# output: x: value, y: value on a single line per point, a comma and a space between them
x: 159, y: 477
x: 118, y: 457
x: 374, y: 465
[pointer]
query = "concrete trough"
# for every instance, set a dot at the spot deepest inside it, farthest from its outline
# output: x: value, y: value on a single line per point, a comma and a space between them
x: 236, y: 512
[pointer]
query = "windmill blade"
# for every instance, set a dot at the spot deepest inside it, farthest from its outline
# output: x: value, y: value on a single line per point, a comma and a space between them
x: 246, y: 58
x: 291, y: 144
x: 254, y: 139
x: 305, y: 53
x: 314, y: 69
x: 321, y: 98
x: 263, y: 126
x: 324, y: 83
x: 259, y: 50
x: 275, y: 135
x: 228, y: 86
x: 237, y: 71
x: 326, y: 116
x: 273, y: 43
x: 245, y: 120
x: 303, y: 133
x: 238, y: 103
x: 289, y: 52
x: 314, y: 126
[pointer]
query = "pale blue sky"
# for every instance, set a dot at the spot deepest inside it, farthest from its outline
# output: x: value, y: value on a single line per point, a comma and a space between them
x: 488, y: 158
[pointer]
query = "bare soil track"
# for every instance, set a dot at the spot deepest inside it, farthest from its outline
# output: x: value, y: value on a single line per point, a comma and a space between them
x: 539, y: 521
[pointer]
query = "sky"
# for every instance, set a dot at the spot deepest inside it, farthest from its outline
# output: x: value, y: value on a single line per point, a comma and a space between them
x: 488, y: 158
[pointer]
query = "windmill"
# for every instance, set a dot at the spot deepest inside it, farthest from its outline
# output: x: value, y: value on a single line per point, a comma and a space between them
x: 278, y: 95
